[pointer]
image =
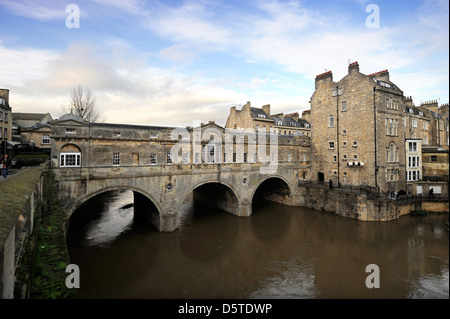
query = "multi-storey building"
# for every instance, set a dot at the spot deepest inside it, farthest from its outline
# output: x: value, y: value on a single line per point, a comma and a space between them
x: 33, y: 128
x: 261, y: 119
x: 358, y: 136
x: 439, y: 122
x: 5, y: 119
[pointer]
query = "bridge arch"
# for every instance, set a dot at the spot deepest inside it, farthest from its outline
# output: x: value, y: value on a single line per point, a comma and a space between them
x: 274, y: 188
x: 84, y: 198
x: 216, y: 193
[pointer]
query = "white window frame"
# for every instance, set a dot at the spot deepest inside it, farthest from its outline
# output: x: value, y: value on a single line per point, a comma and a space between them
x: 44, y: 141
x: 63, y: 159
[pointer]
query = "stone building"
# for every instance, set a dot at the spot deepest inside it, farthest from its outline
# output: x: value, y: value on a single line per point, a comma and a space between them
x: 5, y: 119
x: 439, y: 123
x: 260, y: 118
x: 358, y: 136
x: 33, y: 128
x: 75, y: 141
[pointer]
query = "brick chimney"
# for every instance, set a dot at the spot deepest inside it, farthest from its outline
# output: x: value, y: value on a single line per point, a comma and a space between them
x: 353, y: 67
x: 431, y: 105
x: 327, y: 77
x: 381, y: 75
x: 266, y: 108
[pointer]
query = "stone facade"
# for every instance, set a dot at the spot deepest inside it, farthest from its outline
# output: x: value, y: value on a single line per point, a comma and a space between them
x: 359, y: 128
x: 5, y: 117
x: 165, y: 165
x: 33, y: 128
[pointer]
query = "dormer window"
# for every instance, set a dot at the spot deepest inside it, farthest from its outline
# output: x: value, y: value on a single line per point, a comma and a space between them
x: 71, y: 131
x: 116, y: 134
x: 278, y: 123
x: 262, y: 116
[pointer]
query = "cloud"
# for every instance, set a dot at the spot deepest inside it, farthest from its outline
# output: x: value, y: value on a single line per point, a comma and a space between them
x: 43, y: 10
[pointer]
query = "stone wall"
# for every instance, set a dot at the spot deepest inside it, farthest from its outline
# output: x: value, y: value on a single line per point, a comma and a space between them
x: 20, y: 195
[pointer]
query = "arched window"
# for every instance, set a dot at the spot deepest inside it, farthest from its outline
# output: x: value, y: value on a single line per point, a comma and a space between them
x: 70, y: 156
x: 331, y: 120
x: 392, y: 153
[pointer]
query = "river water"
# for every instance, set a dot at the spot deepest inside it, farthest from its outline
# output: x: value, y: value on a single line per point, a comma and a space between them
x: 278, y: 252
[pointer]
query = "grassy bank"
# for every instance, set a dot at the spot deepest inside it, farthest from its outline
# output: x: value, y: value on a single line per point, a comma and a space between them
x: 42, y: 270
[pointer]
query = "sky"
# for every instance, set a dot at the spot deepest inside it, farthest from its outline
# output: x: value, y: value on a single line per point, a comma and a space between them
x: 170, y: 63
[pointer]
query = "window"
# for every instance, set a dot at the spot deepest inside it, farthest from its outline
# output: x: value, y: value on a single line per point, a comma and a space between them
x: 289, y: 157
x: 169, y: 159
x: 116, y: 134
x: 344, y: 132
x: 433, y: 158
x: 304, y: 175
x: 414, y: 123
x: 71, y: 131
x: 344, y: 157
x: 337, y: 92
x: 413, y: 161
x: 405, y: 121
x: 355, y: 144
x: 245, y: 157
x: 152, y: 158
x: 70, y: 160
x: 412, y: 146
x: 116, y: 159
x: 331, y: 120
x: 1, y: 116
x: 152, y: 135
x: 344, y: 106
x: 334, y: 158
x: 355, y: 157
x: 331, y: 145
x: 234, y: 157
x: 46, y: 139
x: 344, y: 144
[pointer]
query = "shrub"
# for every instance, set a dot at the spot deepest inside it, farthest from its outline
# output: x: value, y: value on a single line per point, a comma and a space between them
x: 30, y: 160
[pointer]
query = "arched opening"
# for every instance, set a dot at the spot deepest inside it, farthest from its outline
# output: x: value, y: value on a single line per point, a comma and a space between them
x: 107, y: 216
x: 216, y: 195
x: 273, y: 189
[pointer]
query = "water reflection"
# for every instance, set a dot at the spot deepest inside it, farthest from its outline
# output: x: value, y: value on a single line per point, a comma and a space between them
x: 278, y: 252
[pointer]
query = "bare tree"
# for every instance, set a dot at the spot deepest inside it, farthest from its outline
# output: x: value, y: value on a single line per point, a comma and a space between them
x: 83, y: 104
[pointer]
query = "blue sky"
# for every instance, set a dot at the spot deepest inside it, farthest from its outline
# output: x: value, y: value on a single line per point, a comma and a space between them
x: 175, y: 62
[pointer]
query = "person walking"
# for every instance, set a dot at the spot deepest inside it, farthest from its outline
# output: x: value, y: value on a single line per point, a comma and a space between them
x: 5, y: 165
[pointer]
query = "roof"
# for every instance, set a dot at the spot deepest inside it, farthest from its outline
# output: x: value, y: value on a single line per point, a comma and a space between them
x: 255, y: 112
x: 29, y: 116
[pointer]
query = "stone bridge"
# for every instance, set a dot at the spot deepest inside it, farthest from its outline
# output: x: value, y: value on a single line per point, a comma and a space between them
x: 166, y: 166
x: 161, y: 190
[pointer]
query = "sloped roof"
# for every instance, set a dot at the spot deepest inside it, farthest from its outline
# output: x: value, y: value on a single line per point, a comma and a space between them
x: 29, y: 116
x: 255, y: 112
